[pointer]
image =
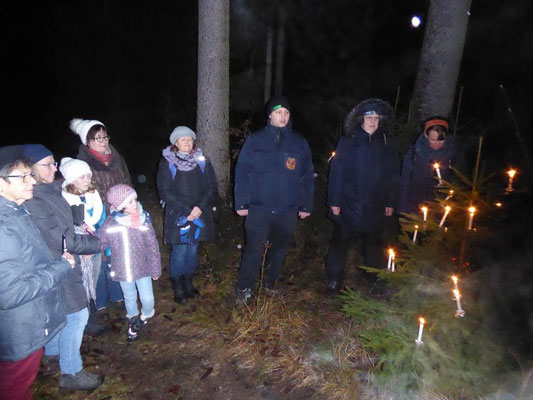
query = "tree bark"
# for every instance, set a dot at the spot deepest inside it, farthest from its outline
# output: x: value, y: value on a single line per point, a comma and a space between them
x: 280, y: 51
x: 268, y: 65
x: 212, y: 121
x: 440, y: 59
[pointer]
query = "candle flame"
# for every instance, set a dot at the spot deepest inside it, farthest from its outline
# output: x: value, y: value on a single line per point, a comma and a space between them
x: 498, y: 204
x: 454, y: 279
x: 511, y: 173
x: 391, y: 252
x: 472, y: 210
x: 451, y: 191
x: 422, y: 320
x: 416, y: 226
x: 447, y: 208
x: 436, y: 165
x: 456, y: 293
x: 332, y: 154
x: 424, y: 209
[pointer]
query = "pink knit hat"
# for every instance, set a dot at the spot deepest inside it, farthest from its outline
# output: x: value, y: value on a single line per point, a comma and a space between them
x: 120, y: 195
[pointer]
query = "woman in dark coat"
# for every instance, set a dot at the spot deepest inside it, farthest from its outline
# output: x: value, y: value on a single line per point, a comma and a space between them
x: 419, y: 177
x: 186, y: 182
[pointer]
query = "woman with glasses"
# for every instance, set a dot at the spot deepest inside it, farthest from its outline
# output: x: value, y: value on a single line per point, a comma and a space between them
x: 31, y: 297
x: 108, y: 169
x: 420, y: 178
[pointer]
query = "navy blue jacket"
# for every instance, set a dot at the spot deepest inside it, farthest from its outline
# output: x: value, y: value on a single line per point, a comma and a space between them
x: 418, y: 178
x: 363, y: 180
x: 274, y: 175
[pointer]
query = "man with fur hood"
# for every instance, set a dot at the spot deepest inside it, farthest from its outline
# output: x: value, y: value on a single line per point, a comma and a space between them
x: 362, y: 187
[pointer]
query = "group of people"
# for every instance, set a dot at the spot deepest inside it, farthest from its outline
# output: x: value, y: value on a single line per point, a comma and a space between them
x: 72, y: 245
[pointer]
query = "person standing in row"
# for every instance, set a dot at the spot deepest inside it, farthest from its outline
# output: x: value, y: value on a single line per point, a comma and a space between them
x: 274, y: 185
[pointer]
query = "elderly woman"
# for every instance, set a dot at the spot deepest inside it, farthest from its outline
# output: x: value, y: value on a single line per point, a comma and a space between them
x: 108, y: 169
x: 419, y: 176
x: 186, y: 183
x: 31, y: 298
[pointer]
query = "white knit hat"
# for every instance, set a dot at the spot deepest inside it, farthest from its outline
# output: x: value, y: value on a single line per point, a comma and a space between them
x: 72, y: 169
x: 181, y: 131
x: 81, y: 127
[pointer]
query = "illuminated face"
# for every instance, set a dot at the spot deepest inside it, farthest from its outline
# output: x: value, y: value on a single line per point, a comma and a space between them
x: 19, y: 187
x: 433, y: 140
x: 185, y: 144
x: 100, y: 143
x: 280, y: 117
x: 45, y: 170
x: 131, y: 207
x: 371, y: 123
x: 82, y: 183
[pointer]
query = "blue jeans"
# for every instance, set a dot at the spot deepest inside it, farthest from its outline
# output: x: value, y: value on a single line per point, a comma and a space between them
x: 183, y: 260
x: 67, y: 343
x: 106, y: 289
x: 146, y: 295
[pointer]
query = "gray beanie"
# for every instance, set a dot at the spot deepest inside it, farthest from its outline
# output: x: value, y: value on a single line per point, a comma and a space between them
x: 181, y: 131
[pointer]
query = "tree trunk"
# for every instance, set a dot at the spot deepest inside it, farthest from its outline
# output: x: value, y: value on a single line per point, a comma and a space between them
x: 268, y: 64
x: 280, y: 51
x: 440, y: 60
x: 212, y: 121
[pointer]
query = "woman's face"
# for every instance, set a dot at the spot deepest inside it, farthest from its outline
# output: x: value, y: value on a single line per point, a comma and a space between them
x: 82, y: 183
x: 19, y: 187
x: 100, y: 143
x: 433, y: 139
x: 185, y: 144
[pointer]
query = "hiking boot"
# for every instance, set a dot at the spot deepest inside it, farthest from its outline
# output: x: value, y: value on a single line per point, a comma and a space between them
x: 179, y: 293
x: 333, y: 287
x: 243, y: 297
x: 134, y: 326
x: 190, y: 291
x: 82, y: 380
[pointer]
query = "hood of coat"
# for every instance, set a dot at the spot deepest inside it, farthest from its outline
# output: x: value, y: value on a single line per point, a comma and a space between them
x: 354, y: 118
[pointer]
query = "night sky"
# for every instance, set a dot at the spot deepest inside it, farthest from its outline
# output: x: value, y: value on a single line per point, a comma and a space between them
x: 133, y: 66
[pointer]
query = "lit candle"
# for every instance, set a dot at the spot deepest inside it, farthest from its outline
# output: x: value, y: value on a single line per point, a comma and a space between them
x: 415, y: 233
x: 437, y: 169
x: 446, y: 212
x: 450, y: 195
x: 332, y: 155
x: 424, y: 212
x: 511, y: 174
x: 498, y: 204
x: 472, y: 211
x: 455, y: 286
x: 460, y: 312
x: 421, y: 321
x: 390, y: 265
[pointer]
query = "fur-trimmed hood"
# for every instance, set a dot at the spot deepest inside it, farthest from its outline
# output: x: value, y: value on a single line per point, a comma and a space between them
x: 354, y: 118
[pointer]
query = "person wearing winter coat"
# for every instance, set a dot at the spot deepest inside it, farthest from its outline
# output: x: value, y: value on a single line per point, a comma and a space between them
x: 32, y: 305
x: 274, y: 184
x: 419, y: 179
x: 136, y: 258
x: 108, y: 169
x: 362, y: 187
x: 53, y: 216
x: 187, y: 184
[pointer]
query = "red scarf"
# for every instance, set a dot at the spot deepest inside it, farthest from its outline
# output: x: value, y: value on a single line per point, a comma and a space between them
x: 103, y: 157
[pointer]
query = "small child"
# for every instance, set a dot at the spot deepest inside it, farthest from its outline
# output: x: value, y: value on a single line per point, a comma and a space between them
x: 135, y: 254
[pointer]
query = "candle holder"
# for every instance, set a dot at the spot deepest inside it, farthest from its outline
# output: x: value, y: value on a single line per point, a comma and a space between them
x: 460, y: 313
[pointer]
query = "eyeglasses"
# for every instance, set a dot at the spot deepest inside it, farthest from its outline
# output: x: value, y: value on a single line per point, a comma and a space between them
x: 49, y: 165
x: 102, y: 139
x: 26, y: 178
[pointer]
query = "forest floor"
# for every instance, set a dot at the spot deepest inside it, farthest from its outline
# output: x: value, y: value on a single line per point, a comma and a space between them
x: 293, y: 347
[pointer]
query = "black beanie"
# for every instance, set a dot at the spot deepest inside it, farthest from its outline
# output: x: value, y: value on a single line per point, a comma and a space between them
x: 10, y: 154
x: 276, y: 102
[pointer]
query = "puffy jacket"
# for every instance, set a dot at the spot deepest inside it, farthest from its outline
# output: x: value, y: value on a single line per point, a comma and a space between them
x: 274, y: 172
x: 363, y: 180
x: 31, y: 293
x: 52, y: 215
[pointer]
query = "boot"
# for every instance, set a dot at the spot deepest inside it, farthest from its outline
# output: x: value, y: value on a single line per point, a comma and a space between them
x: 82, y: 380
x: 134, y: 326
x: 244, y: 296
x: 190, y: 291
x: 179, y: 293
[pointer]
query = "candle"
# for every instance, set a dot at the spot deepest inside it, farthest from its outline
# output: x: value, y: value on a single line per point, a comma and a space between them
x: 455, y: 286
x: 332, y: 155
x: 460, y: 312
x: 511, y: 174
x: 450, y: 195
x: 415, y: 233
x: 437, y: 169
x: 419, y: 341
x: 472, y: 211
x: 446, y: 212
x: 498, y: 204
x: 390, y: 265
x: 424, y: 212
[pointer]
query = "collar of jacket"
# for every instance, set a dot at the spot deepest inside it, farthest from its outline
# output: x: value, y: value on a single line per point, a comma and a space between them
x: 362, y: 136
x: 287, y: 129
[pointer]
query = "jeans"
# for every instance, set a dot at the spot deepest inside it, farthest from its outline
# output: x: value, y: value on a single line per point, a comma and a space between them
x: 106, y: 289
x: 260, y: 227
x: 16, y: 377
x: 67, y: 343
x: 183, y: 260
x: 146, y: 295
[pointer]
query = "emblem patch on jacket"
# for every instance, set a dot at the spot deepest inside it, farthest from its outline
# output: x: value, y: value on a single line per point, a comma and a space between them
x: 290, y: 163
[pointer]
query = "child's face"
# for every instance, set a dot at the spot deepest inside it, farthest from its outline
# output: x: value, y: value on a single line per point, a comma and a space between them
x: 131, y: 207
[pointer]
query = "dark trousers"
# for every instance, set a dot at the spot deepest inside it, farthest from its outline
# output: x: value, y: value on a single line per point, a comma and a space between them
x: 371, y: 249
x: 16, y: 377
x: 262, y: 229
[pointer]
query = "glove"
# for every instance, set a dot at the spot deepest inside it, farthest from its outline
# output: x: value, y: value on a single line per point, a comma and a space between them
x: 78, y: 214
x: 189, y: 231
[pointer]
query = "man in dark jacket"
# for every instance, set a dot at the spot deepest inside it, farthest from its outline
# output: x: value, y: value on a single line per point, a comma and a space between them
x: 362, y: 187
x: 51, y: 213
x: 273, y: 187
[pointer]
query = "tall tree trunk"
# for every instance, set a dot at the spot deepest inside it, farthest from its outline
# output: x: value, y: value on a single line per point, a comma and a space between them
x: 212, y: 121
x: 268, y: 64
x: 440, y: 60
x: 280, y: 50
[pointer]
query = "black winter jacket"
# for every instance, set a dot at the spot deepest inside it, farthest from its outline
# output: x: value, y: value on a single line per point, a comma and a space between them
x: 52, y: 215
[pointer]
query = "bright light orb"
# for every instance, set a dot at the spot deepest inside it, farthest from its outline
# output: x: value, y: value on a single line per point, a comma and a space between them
x: 415, y: 21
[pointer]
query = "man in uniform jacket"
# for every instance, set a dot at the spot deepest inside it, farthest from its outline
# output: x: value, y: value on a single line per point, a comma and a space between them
x: 273, y: 187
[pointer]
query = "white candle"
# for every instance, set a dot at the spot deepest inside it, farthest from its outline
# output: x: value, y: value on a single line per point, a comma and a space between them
x: 332, y: 155
x: 419, y: 341
x: 424, y: 212
x: 455, y: 286
x: 390, y: 264
x: 460, y: 312
x: 437, y: 169
x: 511, y: 174
x: 472, y: 211
x: 415, y: 233
x: 446, y: 212
x: 450, y: 195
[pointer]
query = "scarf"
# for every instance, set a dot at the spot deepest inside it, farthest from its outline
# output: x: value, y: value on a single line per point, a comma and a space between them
x: 94, y: 207
x: 134, y: 220
x: 424, y: 151
x: 105, y: 158
x: 182, y: 161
